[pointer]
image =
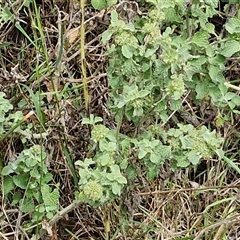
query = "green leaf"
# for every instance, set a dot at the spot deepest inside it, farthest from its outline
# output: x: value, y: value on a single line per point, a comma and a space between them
x: 35, y: 173
x: 116, y: 188
x: 124, y: 163
x: 111, y: 136
x: 111, y: 2
x: 5, y: 44
x: 85, y: 175
x: 155, y: 158
x: 214, y: 92
x: 17, y: 196
x: 187, y: 142
x: 195, y: 66
x: 86, y: 121
x: 210, y: 28
x: 101, y: 4
x: 143, y: 93
x: 5, y: 104
x: 49, y: 215
x: 107, y: 146
x: 8, y: 185
x: 210, y: 51
x: 219, y: 121
x: 7, y: 170
x: 98, y: 119
x: 176, y: 104
x: 21, y: 180
x: 105, y: 159
x: 151, y: 51
x: 114, y: 17
x: 50, y: 198
x: 127, y: 51
x: 106, y: 36
x: 233, y: 25
x: 116, y: 175
x: 154, y: 2
x: 201, y: 38
x: 46, y: 178
x: 86, y: 163
x: 27, y: 205
x: 230, y: 47
x: 201, y: 89
x: 121, y: 179
x: 194, y: 157
x: 181, y: 161
x: 131, y: 172
x: 5, y: 15
x: 142, y: 153
x: 165, y: 152
x: 137, y: 112
x: 236, y: 100
x: 216, y: 74
x: 152, y: 172
x: 212, y: 3
x: 31, y: 162
x: 91, y: 120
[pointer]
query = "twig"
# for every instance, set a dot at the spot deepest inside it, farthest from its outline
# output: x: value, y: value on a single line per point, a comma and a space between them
x: 229, y: 85
x: 58, y: 216
x: 64, y: 212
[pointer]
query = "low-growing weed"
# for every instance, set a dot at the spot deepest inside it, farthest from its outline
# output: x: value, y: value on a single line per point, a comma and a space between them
x: 169, y: 99
x: 156, y: 61
x: 26, y: 178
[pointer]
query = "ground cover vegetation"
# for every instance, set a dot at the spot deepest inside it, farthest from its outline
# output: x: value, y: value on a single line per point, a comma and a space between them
x: 119, y: 119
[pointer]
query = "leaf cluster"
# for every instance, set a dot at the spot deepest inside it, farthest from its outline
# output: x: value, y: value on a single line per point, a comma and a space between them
x: 26, y: 184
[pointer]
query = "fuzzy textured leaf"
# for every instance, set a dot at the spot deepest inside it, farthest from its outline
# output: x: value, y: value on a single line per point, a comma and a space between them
x: 216, y: 74
x: 116, y: 188
x: 49, y: 198
x: 106, y: 36
x: 230, y: 47
x: 201, y: 38
x: 233, y: 25
x: 8, y: 185
x: 27, y: 205
x: 201, y: 89
x: 7, y: 170
x: 21, y: 180
x: 102, y: 4
x: 126, y: 51
x: 194, y: 157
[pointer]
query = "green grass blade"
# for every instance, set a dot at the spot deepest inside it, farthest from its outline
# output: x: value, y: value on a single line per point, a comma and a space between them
x: 37, y: 105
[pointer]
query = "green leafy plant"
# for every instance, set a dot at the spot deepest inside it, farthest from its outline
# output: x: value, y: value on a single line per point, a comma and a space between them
x: 155, y: 61
x: 8, y: 121
x: 152, y: 66
x: 102, y: 4
x: 117, y: 159
x: 101, y: 178
x: 26, y: 179
x: 26, y: 184
x: 191, y: 145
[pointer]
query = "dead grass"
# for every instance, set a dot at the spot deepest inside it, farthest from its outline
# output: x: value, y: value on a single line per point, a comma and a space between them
x: 200, y: 204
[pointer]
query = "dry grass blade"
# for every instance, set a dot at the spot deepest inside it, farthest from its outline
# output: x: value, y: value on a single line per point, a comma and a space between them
x: 235, y: 218
x: 82, y: 48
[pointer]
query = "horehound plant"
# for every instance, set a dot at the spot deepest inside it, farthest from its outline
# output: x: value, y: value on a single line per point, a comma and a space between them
x: 26, y: 178
x: 163, y: 65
